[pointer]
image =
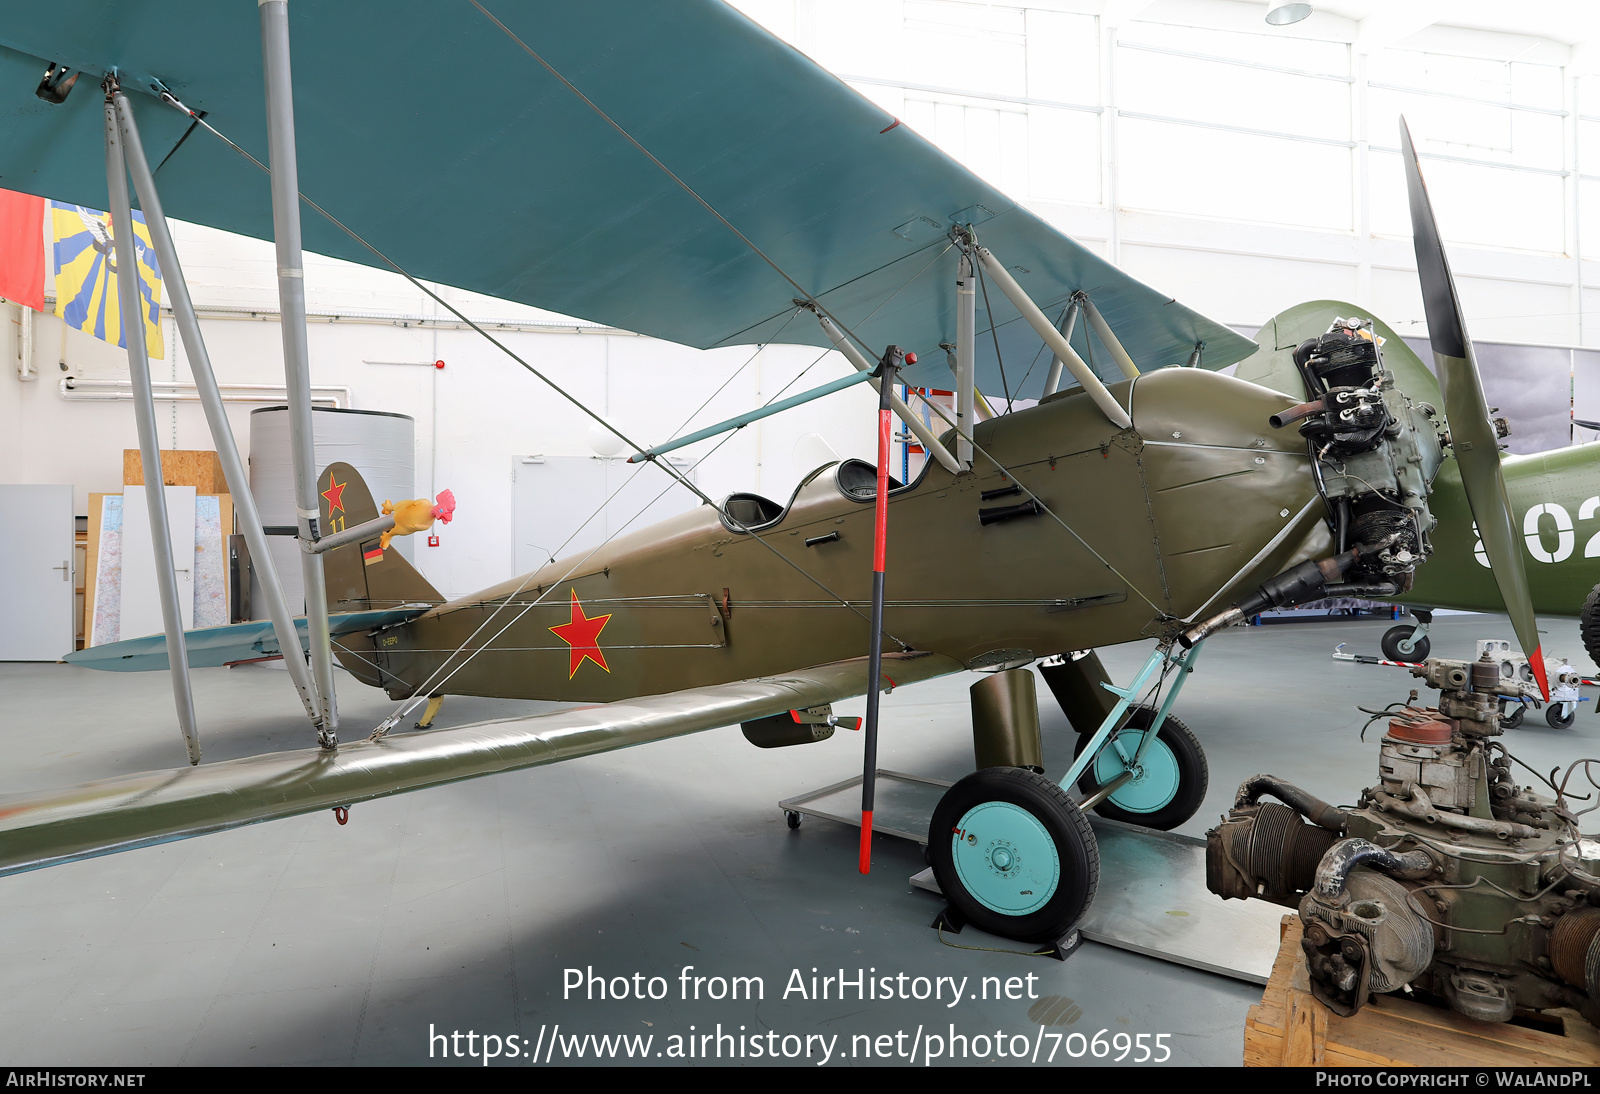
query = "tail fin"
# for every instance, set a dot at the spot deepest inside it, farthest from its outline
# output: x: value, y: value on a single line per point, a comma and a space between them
x: 363, y: 576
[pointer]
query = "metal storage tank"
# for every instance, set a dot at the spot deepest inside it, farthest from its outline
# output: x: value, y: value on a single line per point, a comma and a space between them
x: 379, y: 444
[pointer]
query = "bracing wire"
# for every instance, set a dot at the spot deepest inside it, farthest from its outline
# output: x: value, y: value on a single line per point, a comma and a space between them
x: 1085, y: 544
x: 168, y: 98
x: 609, y: 120
x: 995, y: 334
x: 429, y: 683
x: 506, y: 601
x: 171, y: 100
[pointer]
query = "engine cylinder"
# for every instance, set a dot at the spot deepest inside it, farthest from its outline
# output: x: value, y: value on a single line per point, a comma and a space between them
x: 1266, y: 851
x: 1573, y: 951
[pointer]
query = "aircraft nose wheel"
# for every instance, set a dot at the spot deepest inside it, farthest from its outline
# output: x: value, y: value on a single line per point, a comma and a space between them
x: 1168, y: 783
x: 1014, y: 854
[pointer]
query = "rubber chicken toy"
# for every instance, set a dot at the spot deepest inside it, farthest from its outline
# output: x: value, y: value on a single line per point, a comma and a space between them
x: 417, y: 515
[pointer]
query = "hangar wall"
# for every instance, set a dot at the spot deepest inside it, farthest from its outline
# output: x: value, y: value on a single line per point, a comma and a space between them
x: 1239, y: 168
x: 474, y: 418
x: 1244, y: 168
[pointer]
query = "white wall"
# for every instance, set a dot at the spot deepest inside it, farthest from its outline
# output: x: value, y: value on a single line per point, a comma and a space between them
x: 472, y: 416
x: 978, y: 78
x: 1244, y: 168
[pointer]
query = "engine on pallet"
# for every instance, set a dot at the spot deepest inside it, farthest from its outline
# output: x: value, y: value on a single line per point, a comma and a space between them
x: 1446, y: 878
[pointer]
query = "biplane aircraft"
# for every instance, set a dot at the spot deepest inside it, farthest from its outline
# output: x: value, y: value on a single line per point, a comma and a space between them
x: 697, y: 180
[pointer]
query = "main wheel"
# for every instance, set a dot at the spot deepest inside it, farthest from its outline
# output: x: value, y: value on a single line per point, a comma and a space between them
x: 1170, y: 782
x: 1552, y: 715
x: 1396, y: 635
x: 1014, y: 854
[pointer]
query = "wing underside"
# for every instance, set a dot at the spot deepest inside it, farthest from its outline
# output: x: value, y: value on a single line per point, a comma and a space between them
x: 119, y: 814
x: 435, y: 134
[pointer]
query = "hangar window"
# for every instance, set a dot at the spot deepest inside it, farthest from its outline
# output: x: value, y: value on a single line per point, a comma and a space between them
x: 1234, y: 125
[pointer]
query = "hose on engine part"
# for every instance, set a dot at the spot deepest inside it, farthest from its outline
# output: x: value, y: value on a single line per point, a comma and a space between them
x: 1347, y: 854
x: 1315, y: 810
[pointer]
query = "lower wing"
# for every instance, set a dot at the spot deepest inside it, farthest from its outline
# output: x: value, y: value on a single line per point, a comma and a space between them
x: 99, y: 818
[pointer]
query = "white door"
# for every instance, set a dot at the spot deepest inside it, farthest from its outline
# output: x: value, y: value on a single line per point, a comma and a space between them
x: 141, y: 596
x: 36, y: 573
x: 556, y: 495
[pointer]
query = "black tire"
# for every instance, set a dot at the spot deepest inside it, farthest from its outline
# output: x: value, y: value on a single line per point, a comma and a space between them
x: 1589, y: 625
x: 1077, y: 858
x: 1552, y: 716
x: 792, y: 818
x: 1396, y: 635
x: 1194, y: 775
x: 1514, y: 719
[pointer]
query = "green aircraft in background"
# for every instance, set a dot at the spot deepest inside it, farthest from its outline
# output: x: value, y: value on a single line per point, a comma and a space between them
x: 1554, y: 498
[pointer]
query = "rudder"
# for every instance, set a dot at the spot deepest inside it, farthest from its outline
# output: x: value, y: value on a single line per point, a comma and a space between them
x: 362, y: 576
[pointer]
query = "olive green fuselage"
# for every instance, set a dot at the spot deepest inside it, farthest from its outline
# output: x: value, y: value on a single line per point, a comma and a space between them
x: 1157, y: 523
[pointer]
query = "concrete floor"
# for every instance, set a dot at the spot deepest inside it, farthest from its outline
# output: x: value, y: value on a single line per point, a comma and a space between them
x: 460, y: 908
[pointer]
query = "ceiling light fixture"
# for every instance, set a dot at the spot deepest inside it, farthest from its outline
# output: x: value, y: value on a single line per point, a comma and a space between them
x: 1283, y: 14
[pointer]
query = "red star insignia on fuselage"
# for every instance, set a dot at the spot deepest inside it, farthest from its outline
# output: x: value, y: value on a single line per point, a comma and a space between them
x: 335, y: 495
x: 583, y: 635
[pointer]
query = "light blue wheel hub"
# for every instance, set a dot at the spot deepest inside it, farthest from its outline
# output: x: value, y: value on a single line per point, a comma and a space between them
x: 1006, y: 859
x: 1155, y: 781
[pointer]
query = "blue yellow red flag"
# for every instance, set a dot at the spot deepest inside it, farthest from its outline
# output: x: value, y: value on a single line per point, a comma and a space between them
x: 86, y: 275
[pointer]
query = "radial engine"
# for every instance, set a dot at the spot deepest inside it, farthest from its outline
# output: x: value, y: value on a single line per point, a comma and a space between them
x: 1447, y: 878
x: 1374, y: 452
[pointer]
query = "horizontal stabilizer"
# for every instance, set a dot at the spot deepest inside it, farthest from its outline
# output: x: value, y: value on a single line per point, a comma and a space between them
x: 119, y: 814
x: 215, y: 646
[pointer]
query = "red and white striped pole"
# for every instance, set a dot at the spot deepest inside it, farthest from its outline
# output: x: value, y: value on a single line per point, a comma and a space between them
x: 880, y: 531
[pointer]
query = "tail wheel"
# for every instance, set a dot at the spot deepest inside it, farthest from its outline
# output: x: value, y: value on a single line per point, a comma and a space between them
x: 1014, y: 854
x: 1169, y: 783
x: 1396, y: 635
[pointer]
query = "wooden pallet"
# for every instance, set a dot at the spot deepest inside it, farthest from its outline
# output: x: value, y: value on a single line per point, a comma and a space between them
x: 1289, y: 1028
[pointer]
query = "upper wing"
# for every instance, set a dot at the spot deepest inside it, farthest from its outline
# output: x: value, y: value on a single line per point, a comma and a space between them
x: 427, y: 129
x: 138, y: 810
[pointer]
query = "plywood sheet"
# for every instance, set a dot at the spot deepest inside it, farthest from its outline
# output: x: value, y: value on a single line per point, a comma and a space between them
x: 105, y: 605
x: 198, y: 468
x: 91, y: 563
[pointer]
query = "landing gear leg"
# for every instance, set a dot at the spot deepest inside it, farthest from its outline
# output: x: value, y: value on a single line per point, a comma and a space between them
x: 431, y: 711
x: 1143, y: 767
x: 1015, y: 855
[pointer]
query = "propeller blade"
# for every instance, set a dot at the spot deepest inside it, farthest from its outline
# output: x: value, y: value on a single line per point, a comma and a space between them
x: 1473, y: 438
